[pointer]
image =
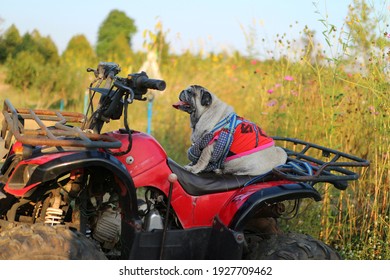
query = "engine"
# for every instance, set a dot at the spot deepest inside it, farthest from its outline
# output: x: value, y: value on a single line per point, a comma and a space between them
x: 108, y: 228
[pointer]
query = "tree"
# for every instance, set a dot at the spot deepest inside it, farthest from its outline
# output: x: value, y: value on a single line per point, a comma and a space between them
x: 46, y: 47
x: 114, y: 36
x: 9, y: 42
x: 24, y: 69
x: 77, y: 57
x: 79, y: 52
x: 35, y: 43
x: 34, y: 67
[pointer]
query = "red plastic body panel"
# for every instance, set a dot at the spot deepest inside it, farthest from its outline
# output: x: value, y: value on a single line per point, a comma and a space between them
x: 148, y: 167
x: 146, y: 152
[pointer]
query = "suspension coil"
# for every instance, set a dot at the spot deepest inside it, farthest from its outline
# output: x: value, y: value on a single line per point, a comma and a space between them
x: 53, y: 216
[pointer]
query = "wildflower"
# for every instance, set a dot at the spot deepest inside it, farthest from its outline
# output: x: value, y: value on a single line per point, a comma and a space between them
x: 272, y: 103
x: 288, y: 78
x: 278, y: 85
x: 253, y: 61
x: 372, y: 110
x: 270, y: 91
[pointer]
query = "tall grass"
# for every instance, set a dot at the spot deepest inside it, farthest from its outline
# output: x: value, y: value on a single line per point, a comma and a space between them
x: 328, y: 105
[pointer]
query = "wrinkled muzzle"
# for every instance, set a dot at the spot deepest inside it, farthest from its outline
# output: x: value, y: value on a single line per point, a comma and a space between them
x: 185, y: 103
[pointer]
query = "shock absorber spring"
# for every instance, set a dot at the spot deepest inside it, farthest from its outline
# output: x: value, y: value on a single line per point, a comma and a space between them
x: 53, y: 216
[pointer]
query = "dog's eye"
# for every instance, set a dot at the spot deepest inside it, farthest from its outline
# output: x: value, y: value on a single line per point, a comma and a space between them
x: 185, y: 95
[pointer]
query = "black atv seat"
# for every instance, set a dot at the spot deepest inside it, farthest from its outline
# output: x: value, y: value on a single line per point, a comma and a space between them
x: 207, y: 183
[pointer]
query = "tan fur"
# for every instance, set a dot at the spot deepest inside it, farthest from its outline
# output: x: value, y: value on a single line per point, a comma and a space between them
x: 205, y: 118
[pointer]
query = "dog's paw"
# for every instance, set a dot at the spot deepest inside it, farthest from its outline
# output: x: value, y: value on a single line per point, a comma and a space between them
x: 189, y: 167
x: 192, y: 168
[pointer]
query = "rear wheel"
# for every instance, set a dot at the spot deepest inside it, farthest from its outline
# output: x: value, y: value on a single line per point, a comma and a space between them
x: 43, y: 242
x: 289, y: 246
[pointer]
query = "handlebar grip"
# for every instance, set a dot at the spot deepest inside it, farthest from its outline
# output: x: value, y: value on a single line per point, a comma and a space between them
x: 145, y: 82
x: 156, y: 84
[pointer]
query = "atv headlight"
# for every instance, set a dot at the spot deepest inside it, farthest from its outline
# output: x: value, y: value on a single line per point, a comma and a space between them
x: 21, y: 176
x: 28, y: 171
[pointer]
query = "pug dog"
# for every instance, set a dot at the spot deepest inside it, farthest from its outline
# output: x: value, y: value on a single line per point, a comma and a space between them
x: 223, y: 142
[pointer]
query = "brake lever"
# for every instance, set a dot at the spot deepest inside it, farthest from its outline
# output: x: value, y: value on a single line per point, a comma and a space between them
x: 126, y: 89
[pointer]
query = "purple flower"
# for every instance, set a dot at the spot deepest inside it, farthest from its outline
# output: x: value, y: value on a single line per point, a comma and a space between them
x: 272, y: 103
x: 270, y: 91
x: 288, y: 78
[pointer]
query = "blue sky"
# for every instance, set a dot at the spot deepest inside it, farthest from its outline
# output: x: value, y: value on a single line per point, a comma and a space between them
x: 192, y: 24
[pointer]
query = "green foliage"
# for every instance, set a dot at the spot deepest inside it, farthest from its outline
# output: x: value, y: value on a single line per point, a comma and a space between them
x: 9, y: 42
x: 24, y: 69
x: 114, y: 36
x: 77, y: 57
x: 46, y: 47
x: 32, y: 67
x: 79, y: 52
x: 35, y: 43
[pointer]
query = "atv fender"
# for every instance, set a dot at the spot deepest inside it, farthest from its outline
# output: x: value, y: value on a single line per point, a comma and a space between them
x: 248, y: 200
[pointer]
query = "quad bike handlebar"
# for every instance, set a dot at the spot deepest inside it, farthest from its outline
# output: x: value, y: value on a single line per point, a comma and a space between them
x: 117, y: 93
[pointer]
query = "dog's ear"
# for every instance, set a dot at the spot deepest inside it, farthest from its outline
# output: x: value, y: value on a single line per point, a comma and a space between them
x: 205, y: 98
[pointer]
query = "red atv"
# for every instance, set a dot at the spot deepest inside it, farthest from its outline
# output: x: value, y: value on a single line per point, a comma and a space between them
x: 67, y: 191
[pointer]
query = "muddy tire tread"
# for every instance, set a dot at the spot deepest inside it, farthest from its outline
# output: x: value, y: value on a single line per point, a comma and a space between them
x: 289, y: 246
x: 43, y: 242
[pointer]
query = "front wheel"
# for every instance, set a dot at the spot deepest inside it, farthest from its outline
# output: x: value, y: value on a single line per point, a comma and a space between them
x: 43, y: 242
x: 289, y: 246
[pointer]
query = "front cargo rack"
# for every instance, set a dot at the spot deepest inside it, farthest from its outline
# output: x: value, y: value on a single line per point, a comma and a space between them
x: 326, y: 165
x: 61, y: 134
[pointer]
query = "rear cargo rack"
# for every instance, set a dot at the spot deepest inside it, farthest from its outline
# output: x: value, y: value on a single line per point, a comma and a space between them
x: 328, y: 165
x: 61, y: 134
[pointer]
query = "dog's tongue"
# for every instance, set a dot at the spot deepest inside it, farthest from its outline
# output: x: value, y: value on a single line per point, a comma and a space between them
x: 178, y: 104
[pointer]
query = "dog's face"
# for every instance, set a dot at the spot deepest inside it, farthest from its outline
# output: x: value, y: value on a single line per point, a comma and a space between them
x: 194, y: 100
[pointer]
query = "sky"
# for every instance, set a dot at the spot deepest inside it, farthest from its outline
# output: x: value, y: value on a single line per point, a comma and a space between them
x: 211, y: 25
